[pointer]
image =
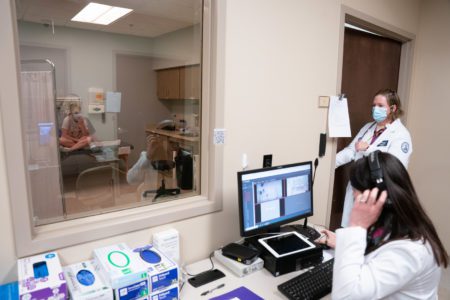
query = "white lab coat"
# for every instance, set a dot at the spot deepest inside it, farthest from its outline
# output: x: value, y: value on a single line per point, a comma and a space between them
x: 401, y: 269
x: 395, y: 140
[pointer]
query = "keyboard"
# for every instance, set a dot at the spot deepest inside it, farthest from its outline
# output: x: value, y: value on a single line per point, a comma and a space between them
x: 308, y: 232
x: 313, y: 284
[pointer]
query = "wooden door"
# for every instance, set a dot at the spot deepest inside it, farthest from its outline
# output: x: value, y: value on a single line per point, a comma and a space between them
x: 190, y: 82
x: 370, y: 63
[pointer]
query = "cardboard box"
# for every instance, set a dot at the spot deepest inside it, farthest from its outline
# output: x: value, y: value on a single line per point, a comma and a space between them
x: 123, y: 272
x: 169, y: 293
x: 168, y: 242
x: 85, y: 283
x: 41, y: 277
x: 162, y: 271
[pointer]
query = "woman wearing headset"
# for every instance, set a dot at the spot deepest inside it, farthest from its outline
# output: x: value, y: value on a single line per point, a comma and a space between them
x: 386, y: 134
x: 391, y: 248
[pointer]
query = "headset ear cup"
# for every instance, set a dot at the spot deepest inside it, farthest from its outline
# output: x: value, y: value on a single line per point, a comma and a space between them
x: 376, y: 174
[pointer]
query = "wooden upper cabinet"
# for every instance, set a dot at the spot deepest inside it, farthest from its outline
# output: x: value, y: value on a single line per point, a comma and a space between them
x: 179, y: 83
x: 168, y: 83
x: 190, y: 87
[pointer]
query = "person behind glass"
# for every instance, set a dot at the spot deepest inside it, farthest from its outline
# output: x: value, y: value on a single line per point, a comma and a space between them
x: 390, y: 248
x: 155, y: 151
x: 74, y: 130
x: 386, y: 134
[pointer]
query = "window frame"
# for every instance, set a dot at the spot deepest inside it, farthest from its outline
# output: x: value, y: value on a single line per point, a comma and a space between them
x: 31, y: 239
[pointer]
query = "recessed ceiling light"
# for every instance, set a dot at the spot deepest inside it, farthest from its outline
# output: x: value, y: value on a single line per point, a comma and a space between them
x: 100, y: 14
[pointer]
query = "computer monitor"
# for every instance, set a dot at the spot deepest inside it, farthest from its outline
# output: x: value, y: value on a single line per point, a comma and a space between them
x: 271, y: 197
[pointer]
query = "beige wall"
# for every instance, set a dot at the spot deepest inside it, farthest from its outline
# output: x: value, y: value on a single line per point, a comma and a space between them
x: 428, y: 116
x: 274, y: 62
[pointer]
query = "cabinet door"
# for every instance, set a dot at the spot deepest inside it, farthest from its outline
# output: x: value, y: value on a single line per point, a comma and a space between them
x: 190, y: 87
x: 161, y: 89
x: 168, y: 86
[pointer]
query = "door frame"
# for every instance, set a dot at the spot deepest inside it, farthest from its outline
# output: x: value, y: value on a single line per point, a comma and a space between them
x: 364, y: 21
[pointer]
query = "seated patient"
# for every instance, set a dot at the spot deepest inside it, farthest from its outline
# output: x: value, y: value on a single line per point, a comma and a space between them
x: 391, y: 249
x: 75, y: 134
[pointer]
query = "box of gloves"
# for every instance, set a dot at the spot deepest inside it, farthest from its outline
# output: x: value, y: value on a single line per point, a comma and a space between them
x: 41, y: 277
x: 123, y: 272
x: 162, y: 271
x: 85, y: 283
x: 169, y: 293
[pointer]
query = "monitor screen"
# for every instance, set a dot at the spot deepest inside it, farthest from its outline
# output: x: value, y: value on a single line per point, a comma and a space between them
x: 270, y: 197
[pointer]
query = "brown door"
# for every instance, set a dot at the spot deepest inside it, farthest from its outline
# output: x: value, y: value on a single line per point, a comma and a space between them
x: 370, y: 63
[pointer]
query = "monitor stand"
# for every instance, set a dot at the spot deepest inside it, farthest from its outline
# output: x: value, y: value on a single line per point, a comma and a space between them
x: 305, y: 230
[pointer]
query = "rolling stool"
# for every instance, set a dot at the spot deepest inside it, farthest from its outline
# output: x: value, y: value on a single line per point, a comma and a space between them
x: 162, y: 165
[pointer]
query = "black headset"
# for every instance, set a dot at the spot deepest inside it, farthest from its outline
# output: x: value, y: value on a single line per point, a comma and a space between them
x: 385, y: 219
x: 376, y: 174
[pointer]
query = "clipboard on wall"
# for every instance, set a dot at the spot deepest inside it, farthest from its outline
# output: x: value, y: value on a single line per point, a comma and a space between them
x: 338, y: 117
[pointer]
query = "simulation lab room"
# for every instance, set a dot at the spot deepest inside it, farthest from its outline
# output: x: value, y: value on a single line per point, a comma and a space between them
x: 198, y: 136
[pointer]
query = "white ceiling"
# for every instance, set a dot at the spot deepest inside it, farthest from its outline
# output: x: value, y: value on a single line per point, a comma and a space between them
x: 150, y: 18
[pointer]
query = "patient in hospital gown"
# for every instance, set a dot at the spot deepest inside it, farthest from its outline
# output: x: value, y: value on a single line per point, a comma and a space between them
x: 74, y: 131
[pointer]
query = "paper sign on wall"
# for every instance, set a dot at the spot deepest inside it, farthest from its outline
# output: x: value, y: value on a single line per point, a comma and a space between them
x: 96, y: 95
x: 338, y: 118
x: 113, y: 100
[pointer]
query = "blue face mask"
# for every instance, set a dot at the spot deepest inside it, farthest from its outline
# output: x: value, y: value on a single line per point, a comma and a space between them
x: 379, y: 114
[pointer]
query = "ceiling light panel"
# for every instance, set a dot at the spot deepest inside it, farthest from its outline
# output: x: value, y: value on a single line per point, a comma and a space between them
x: 100, y: 14
x: 112, y: 15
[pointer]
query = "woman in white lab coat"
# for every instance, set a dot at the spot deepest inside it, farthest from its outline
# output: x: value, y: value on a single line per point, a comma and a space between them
x: 386, y: 134
x: 391, y: 249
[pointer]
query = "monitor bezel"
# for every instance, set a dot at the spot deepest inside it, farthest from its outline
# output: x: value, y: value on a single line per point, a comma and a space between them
x: 278, y: 224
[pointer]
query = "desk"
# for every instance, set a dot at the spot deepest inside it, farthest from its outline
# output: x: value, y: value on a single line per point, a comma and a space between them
x: 190, y: 143
x: 261, y: 282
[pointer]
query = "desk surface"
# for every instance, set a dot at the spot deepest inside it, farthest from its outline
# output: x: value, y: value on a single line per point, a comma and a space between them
x: 172, y: 134
x: 262, y: 282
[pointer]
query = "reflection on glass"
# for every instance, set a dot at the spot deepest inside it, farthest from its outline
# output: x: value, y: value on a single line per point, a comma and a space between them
x: 111, y: 114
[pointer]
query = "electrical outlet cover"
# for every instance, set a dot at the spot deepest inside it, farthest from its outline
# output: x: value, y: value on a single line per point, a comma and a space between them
x: 219, y: 136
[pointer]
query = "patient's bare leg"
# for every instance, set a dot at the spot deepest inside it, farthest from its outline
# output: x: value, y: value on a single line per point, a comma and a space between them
x: 83, y: 142
x: 65, y: 142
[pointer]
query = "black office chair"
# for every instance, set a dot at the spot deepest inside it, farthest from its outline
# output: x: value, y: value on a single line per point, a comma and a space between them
x: 162, y: 166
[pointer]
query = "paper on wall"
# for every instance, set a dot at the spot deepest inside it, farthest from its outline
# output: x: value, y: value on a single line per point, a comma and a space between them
x: 338, y: 118
x: 96, y: 95
x: 113, y: 100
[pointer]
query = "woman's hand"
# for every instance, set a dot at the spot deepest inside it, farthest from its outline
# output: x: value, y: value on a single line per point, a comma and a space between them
x: 328, y: 238
x: 361, y: 146
x: 367, y: 208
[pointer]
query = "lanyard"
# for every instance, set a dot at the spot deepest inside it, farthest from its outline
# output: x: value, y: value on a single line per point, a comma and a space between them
x: 367, y: 130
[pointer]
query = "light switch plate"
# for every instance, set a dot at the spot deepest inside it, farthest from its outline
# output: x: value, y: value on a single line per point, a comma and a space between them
x: 324, y: 101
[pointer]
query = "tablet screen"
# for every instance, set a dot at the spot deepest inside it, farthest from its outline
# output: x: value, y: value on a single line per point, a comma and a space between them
x: 285, y: 244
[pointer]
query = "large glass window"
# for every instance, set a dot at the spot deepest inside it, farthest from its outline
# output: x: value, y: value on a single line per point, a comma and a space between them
x: 111, y: 114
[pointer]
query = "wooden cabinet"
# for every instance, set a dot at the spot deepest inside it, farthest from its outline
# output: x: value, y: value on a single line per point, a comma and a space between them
x: 179, y: 83
x: 190, y: 87
x: 168, y: 83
